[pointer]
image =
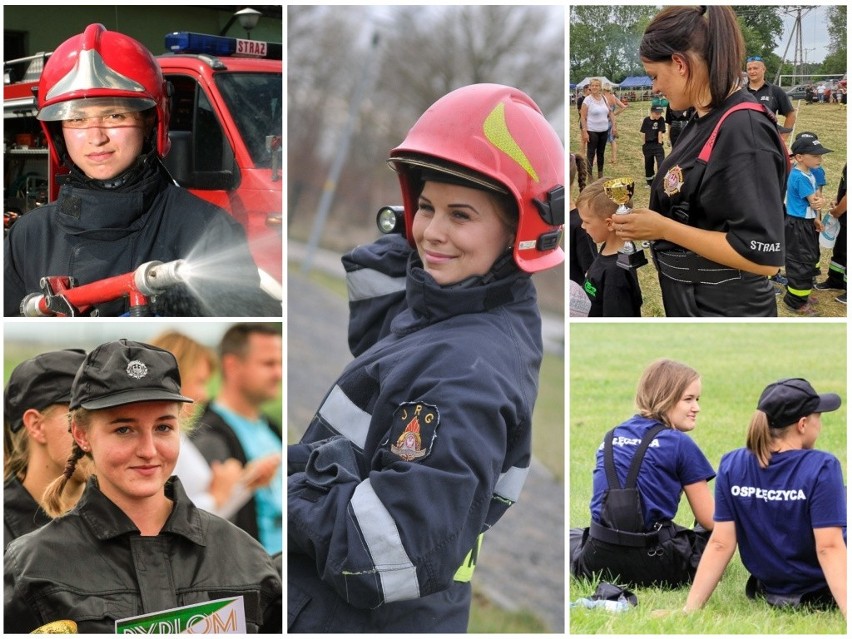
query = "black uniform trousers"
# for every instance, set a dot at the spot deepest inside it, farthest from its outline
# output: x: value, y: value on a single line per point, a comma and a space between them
x: 801, y: 248
x: 653, y: 151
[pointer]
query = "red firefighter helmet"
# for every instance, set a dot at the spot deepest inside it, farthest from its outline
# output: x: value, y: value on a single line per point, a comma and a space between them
x: 495, y: 136
x: 102, y: 68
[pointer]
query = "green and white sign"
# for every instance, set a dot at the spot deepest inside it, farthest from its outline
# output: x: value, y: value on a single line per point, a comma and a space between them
x: 221, y: 616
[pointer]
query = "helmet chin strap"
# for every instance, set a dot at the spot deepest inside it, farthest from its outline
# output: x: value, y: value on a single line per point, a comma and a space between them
x: 125, y: 177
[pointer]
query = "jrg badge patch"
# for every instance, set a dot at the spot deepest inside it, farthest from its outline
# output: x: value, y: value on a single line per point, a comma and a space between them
x: 413, y: 430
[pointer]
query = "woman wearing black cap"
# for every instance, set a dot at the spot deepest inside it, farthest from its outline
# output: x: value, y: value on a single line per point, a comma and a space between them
x: 36, y: 438
x: 783, y: 503
x: 134, y: 544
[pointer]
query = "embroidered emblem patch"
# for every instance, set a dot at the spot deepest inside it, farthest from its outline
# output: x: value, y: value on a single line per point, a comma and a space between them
x: 413, y: 430
x: 136, y: 369
x: 672, y: 181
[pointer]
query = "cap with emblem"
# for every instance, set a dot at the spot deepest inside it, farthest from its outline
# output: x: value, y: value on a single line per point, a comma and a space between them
x: 40, y: 382
x: 806, y: 145
x: 788, y: 400
x: 125, y: 372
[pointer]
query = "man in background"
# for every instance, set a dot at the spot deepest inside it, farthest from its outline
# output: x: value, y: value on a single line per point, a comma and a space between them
x: 232, y: 424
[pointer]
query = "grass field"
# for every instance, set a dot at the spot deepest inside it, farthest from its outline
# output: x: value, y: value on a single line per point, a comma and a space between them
x: 828, y: 121
x: 736, y: 361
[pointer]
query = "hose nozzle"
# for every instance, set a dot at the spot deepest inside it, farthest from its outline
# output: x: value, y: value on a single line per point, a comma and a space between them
x: 155, y: 277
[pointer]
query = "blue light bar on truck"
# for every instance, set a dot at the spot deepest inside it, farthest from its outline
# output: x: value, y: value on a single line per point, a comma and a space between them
x: 188, y: 42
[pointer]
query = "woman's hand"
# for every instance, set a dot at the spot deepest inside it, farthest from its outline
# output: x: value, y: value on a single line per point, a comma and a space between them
x: 259, y: 473
x: 585, y: 136
x: 640, y: 224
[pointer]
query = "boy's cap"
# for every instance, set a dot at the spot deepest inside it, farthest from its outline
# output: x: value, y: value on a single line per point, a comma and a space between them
x: 807, y: 134
x: 40, y: 382
x: 658, y: 109
x: 125, y: 372
x: 788, y: 400
x: 808, y: 146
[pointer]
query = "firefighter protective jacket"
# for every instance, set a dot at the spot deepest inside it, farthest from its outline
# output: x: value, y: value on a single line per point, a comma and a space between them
x: 91, y: 234
x: 93, y: 567
x: 421, y: 445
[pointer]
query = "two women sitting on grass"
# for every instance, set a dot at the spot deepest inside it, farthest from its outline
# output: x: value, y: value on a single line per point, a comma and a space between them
x: 783, y: 502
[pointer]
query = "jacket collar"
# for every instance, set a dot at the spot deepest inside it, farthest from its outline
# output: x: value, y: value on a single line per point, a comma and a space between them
x: 107, y: 521
x: 429, y: 303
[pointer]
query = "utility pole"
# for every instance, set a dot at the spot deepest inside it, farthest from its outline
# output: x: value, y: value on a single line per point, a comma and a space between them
x: 795, y: 35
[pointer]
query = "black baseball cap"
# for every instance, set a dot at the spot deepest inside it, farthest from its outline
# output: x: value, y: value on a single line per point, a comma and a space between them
x: 808, y: 146
x: 788, y: 400
x: 125, y: 372
x: 658, y: 109
x: 40, y: 382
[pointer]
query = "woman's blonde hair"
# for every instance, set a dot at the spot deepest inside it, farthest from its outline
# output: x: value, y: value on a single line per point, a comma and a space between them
x: 16, y: 447
x: 760, y: 437
x: 661, y: 387
x: 188, y: 354
x: 55, y: 504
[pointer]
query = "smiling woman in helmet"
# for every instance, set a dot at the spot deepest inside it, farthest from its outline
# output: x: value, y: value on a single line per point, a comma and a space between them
x: 424, y: 440
x: 104, y: 108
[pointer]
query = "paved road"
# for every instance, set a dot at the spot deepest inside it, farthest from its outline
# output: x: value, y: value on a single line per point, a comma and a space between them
x: 522, y: 559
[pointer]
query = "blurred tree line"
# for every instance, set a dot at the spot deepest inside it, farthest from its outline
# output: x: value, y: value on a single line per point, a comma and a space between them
x: 413, y: 55
x: 604, y: 39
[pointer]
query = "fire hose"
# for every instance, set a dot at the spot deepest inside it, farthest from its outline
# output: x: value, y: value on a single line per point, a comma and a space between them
x: 60, y: 297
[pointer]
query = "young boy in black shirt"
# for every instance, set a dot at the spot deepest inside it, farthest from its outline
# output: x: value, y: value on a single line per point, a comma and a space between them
x: 613, y: 291
x: 653, y: 128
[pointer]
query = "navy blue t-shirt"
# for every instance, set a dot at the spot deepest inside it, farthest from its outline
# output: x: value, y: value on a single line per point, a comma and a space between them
x: 775, y: 510
x: 671, y: 462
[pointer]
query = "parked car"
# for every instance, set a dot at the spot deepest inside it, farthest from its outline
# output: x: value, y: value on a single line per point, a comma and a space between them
x: 798, y: 92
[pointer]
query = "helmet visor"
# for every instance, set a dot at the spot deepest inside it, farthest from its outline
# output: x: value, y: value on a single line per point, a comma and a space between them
x: 79, y: 108
x: 461, y: 173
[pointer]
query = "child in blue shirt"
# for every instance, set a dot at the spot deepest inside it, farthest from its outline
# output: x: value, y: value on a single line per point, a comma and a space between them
x: 783, y: 503
x: 802, y: 224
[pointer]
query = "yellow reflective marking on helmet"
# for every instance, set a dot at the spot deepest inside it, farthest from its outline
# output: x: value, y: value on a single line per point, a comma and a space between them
x: 497, y: 132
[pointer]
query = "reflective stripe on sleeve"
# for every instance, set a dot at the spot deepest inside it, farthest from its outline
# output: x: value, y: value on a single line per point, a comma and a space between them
x: 366, y: 284
x: 345, y: 417
x: 397, y: 573
x: 510, y: 483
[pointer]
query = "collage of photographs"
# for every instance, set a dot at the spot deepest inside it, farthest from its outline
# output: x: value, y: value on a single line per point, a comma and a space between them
x: 476, y: 443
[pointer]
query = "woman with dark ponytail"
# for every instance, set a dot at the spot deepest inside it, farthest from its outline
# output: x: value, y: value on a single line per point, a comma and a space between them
x: 716, y: 211
x: 784, y: 504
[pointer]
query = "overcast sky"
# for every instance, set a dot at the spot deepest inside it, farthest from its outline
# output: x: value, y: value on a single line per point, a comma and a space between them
x: 814, y: 35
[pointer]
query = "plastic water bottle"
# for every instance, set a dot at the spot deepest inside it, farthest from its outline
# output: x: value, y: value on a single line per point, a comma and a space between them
x: 610, y: 606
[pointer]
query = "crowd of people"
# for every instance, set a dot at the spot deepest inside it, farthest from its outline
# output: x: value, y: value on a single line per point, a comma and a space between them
x: 736, y: 205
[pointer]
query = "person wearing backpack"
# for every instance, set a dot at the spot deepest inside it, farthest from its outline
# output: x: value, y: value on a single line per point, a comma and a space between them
x: 641, y: 469
x: 716, y: 210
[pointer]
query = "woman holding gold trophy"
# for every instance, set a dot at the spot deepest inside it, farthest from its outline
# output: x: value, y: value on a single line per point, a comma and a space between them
x: 716, y: 211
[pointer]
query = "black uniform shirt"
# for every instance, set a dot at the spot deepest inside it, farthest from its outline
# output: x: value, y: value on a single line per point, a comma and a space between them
x: 614, y: 291
x: 652, y: 129
x: 772, y: 97
x: 581, y: 250
x: 742, y: 190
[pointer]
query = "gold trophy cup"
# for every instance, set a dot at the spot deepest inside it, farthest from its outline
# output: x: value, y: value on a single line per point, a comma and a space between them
x: 620, y: 190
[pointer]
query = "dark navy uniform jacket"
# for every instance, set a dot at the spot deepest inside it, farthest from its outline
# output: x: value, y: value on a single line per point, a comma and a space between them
x: 421, y: 445
x: 91, y: 234
x: 93, y: 567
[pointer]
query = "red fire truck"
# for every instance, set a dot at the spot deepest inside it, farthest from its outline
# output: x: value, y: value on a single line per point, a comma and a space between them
x: 225, y: 131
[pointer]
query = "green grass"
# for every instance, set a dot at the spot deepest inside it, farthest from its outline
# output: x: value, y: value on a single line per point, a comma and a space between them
x: 736, y: 361
x: 487, y: 618
x: 828, y: 121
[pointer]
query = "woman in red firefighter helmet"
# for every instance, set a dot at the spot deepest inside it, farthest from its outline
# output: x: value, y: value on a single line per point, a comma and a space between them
x: 424, y: 440
x: 104, y: 108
